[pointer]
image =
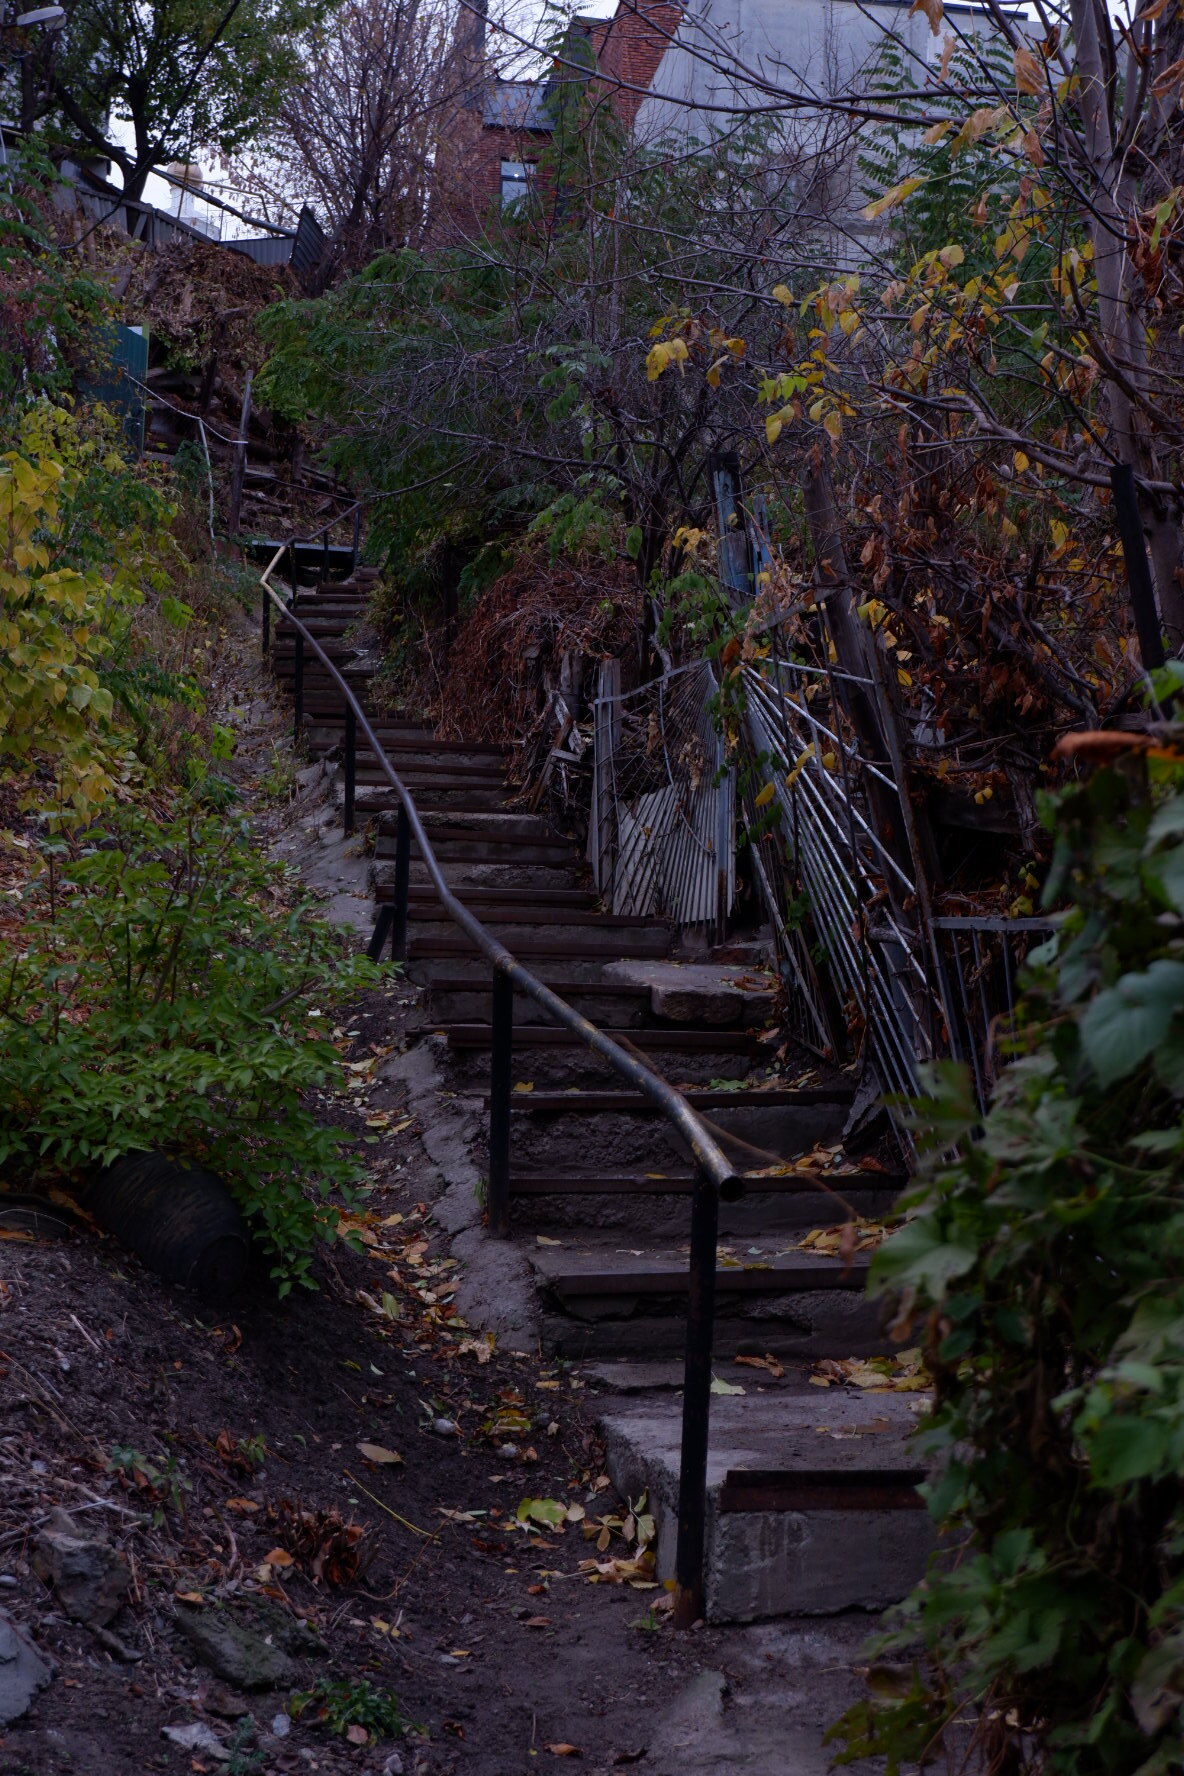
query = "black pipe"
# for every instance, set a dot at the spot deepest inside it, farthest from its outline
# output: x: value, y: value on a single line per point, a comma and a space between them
x: 501, y: 1070
x: 1138, y: 568
x: 351, y: 767
x: 266, y: 624
x: 689, y: 1593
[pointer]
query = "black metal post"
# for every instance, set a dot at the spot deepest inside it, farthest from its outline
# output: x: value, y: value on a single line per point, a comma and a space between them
x: 325, y: 556
x: 501, y: 1067
x: 402, y: 885
x: 382, y: 930
x: 266, y: 621
x: 1138, y: 568
x: 351, y: 764
x: 696, y: 1406
x: 298, y: 686
x: 357, y: 536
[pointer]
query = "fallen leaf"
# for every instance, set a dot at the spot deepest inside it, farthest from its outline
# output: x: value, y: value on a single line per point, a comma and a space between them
x: 357, y: 1735
x: 241, y: 1506
x: 524, y: 1085
x: 374, y: 1452
x: 767, y: 1362
x: 279, y: 1557
x: 189, y: 1596
x: 724, y: 1387
x: 537, y: 1622
x: 563, y: 1749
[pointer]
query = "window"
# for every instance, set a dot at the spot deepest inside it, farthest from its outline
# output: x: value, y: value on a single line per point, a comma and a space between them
x: 517, y: 179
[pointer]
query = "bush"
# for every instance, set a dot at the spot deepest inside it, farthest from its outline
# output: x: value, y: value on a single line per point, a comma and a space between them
x: 1045, y: 1261
x: 163, y: 998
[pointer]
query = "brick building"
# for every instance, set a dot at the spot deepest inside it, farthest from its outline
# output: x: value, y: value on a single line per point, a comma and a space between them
x: 495, y: 133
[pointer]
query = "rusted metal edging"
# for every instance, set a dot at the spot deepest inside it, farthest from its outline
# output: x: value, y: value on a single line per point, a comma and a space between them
x: 714, y: 1174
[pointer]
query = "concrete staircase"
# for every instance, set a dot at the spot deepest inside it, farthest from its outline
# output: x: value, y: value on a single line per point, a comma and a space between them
x: 813, y: 1504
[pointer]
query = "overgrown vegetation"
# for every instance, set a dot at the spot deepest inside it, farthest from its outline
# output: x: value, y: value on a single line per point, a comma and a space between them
x: 1042, y: 1264
x: 166, y: 996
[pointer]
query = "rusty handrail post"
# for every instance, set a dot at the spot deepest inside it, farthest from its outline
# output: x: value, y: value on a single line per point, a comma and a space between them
x: 689, y: 1575
x: 501, y: 1068
x: 351, y: 768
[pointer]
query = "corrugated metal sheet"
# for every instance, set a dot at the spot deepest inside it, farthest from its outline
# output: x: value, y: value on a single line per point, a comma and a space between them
x: 661, y: 839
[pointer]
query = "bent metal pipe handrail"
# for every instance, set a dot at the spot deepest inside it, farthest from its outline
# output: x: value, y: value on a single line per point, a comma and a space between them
x: 715, y: 1176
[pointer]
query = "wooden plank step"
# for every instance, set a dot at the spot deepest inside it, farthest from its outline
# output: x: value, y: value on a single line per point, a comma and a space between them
x: 550, y: 915
x: 423, y: 949
x: 557, y: 1036
x: 851, y: 1185
x: 572, y: 1272
x: 590, y: 1102
x: 582, y: 899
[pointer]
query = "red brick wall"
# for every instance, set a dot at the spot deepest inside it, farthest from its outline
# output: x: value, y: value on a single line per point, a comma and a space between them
x: 634, y: 43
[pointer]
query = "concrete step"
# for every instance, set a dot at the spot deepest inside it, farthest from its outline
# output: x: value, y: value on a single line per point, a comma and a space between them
x: 558, y: 944
x: 457, y: 844
x: 671, y: 1041
x: 703, y: 993
x: 812, y: 1501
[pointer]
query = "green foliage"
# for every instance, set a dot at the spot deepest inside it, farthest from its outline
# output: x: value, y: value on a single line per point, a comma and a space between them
x: 1045, y: 1260
x: 185, y: 74
x: 50, y: 308
x: 165, y: 995
x: 339, y: 1704
x: 56, y: 621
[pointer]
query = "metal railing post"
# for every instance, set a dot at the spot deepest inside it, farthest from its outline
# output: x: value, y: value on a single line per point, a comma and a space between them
x: 501, y: 1067
x: 266, y: 623
x: 696, y: 1405
x: 351, y: 766
x: 298, y: 686
x: 402, y: 885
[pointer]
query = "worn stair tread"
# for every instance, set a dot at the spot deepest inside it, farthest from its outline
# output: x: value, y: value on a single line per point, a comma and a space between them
x: 785, y: 1433
x: 581, y: 899
x: 607, y: 1266
x: 426, y: 948
x: 570, y: 1183
x: 577, y: 918
x: 557, y: 1036
x: 582, y: 1102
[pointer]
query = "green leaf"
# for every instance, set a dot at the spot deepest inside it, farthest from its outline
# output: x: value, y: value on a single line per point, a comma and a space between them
x: 1125, y: 1448
x: 1123, y: 1024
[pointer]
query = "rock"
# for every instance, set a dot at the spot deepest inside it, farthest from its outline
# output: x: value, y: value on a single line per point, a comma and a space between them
x: 196, y: 1736
x: 22, y: 1670
x: 233, y: 1652
x: 88, y: 1574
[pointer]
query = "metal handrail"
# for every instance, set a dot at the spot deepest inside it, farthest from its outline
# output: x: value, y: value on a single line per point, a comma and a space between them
x: 715, y: 1176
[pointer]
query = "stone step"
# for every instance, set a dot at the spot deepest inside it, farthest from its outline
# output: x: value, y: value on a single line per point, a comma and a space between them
x: 650, y: 1205
x: 455, y: 1000
x: 706, y: 993
x: 458, y: 843
x: 610, y: 1296
x: 670, y: 1041
x: 559, y: 942
x: 812, y: 1500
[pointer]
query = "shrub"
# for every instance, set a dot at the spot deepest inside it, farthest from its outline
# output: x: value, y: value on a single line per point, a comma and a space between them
x: 166, y: 996
x: 1045, y: 1262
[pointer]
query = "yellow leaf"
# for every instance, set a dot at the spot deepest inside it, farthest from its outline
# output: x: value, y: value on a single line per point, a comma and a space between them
x: 897, y: 193
x: 279, y: 1557
x: 1020, y: 461
x: 833, y: 425
x: 935, y: 132
x: 374, y: 1452
x: 773, y: 427
x: 952, y: 255
x: 524, y: 1085
x: 902, y: 677
x: 783, y: 294
x: 766, y: 796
